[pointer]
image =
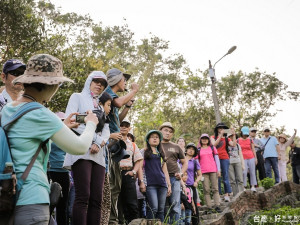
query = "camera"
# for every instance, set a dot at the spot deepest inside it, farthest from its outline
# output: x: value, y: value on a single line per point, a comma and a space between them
x: 80, y: 118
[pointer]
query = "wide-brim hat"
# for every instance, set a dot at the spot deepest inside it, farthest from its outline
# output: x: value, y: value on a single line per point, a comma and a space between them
x: 194, y: 147
x: 154, y: 131
x: 167, y: 124
x: 118, y: 151
x: 43, y: 68
x: 221, y: 125
x: 283, y: 136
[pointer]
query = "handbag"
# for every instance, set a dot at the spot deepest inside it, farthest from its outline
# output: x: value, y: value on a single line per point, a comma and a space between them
x: 55, y: 195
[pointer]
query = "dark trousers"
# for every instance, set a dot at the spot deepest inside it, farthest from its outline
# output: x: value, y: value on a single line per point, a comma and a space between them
x: 296, y: 174
x: 61, y: 209
x: 88, y: 182
x: 195, y: 217
x: 260, y: 165
x: 128, y: 204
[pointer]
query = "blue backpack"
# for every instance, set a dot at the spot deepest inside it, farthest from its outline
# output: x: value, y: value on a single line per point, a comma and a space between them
x: 7, y: 183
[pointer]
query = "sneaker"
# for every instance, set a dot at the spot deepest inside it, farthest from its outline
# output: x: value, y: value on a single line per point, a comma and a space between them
x: 218, y: 210
x: 253, y: 189
x: 227, y: 199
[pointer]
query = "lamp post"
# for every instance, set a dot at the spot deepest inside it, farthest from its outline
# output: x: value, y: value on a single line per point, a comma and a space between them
x: 212, y: 76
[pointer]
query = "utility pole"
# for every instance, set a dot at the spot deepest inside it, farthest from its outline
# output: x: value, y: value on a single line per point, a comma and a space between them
x: 212, y: 76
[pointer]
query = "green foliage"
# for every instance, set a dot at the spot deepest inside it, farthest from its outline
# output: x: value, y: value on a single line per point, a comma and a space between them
x: 169, y: 90
x: 267, y: 183
x: 279, y: 216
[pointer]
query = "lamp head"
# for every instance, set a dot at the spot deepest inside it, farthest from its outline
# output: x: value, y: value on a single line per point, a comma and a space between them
x: 231, y: 50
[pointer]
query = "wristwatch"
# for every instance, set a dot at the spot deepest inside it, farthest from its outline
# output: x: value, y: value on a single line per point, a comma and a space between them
x: 133, y: 171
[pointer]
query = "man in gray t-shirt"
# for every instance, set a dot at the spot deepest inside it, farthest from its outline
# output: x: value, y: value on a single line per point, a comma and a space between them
x: 259, y: 153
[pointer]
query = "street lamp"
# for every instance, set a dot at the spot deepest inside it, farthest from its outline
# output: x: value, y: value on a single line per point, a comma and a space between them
x: 212, y: 76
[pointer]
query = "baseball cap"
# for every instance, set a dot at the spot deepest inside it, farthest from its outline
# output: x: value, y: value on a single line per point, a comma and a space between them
x: 125, y: 120
x: 115, y: 75
x: 253, y: 129
x: 267, y: 128
x: 245, y: 130
x: 12, y: 64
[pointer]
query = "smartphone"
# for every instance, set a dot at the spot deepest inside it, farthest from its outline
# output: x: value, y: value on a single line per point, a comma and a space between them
x: 226, y: 131
x: 80, y: 118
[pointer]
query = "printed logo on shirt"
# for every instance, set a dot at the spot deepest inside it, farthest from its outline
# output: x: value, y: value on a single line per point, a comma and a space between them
x: 171, y: 149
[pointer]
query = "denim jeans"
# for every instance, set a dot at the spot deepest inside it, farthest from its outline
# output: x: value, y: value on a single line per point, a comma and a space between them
x: 186, y: 217
x: 156, y: 196
x: 272, y: 161
x: 225, y: 176
x: 174, y: 201
x: 296, y: 174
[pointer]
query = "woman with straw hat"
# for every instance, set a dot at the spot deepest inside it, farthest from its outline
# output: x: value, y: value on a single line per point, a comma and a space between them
x: 41, y: 81
x: 284, y: 142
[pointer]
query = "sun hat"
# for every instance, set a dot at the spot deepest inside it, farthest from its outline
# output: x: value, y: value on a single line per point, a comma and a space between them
x: 245, y: 130
x: 115, y: 75
x: 118, y: 151
x: 283, y: 136
x: 42, y: 68
x: 154, y: 131
x: 221, y: 125
x: 194, y: 147
x: 12, y: 64
x: 167, y: 124
x: 204, y: 135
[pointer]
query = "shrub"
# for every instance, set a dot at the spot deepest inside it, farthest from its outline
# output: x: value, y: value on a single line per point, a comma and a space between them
x: 267, y: 183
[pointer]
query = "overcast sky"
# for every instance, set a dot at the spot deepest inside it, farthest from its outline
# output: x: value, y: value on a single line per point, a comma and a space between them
x: 266, y: 33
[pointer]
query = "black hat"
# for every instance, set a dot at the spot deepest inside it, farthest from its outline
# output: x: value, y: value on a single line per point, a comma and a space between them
x: 194, y: 147
x: 220, y: 125
x: 118, y: 151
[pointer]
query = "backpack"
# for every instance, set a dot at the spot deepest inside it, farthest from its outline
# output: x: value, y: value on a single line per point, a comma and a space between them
x: 8, y: 182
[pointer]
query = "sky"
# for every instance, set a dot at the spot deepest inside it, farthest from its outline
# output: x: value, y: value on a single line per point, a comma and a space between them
x: 266, y: 33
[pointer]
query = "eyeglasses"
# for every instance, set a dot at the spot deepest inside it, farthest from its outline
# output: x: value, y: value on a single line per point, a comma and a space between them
x: 125, y: 125
x: 16, y: 73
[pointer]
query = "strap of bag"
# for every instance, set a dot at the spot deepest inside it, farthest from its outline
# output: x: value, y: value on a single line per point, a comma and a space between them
x: 266, y: 142
x: 21, y: 112
x: 30, y: 165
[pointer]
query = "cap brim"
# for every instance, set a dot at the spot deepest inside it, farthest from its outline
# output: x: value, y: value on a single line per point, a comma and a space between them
x: 16, y: 66
x: 28, y: 79
x: 161, y: 127
x: 127, y: 76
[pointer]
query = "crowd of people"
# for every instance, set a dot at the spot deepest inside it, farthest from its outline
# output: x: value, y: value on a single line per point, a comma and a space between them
x: 105, y: 177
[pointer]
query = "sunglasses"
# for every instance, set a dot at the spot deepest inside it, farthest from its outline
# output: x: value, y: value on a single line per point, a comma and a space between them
x: 16, y: 73
x: 266, y: 130
x: 124, y: 125
x: 99, y: 81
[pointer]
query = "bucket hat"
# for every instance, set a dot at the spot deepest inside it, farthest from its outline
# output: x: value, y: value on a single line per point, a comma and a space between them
x: 154, y: 131
x: 43, y: 68
x: 118, y: 151
x: 194, y: 147
x: 167, y: 124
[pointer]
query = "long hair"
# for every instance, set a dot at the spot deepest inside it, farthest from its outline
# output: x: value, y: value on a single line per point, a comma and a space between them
x: 200, y: 143
x: 148, y: 151
x: 226, y: 140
